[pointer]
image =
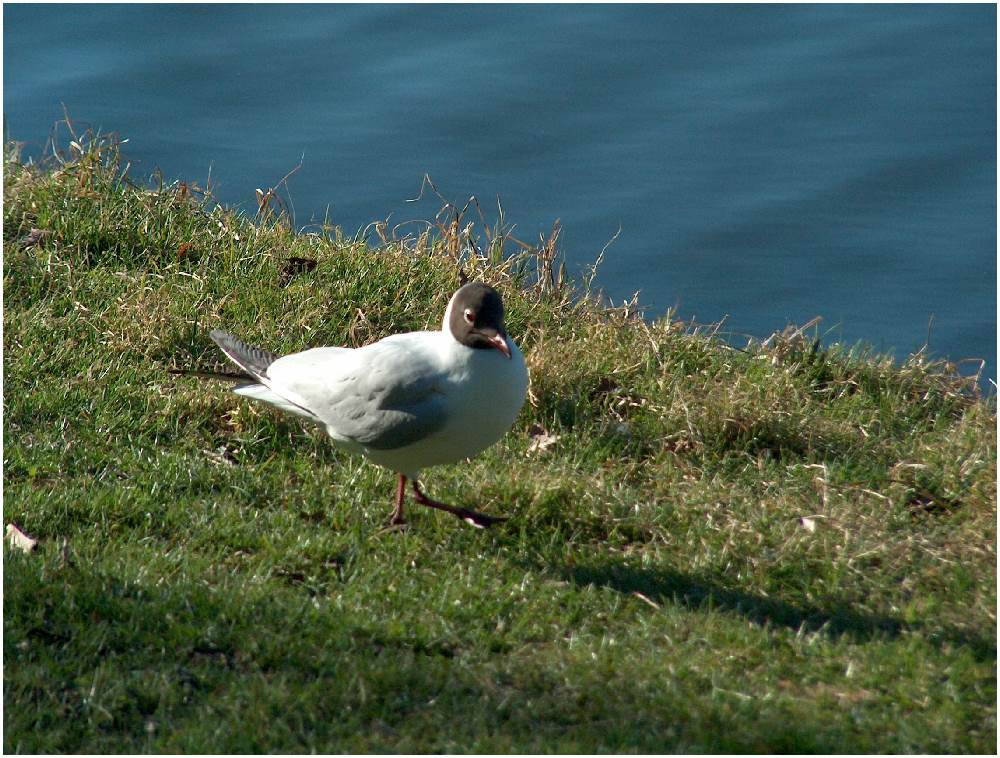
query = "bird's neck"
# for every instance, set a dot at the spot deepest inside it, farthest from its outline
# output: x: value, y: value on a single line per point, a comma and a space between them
x: 446, y: 321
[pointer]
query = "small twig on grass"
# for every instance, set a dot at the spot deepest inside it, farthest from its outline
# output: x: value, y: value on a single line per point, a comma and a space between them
x: 646, y: 600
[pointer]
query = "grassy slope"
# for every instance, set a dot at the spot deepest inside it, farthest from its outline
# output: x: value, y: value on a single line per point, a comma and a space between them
x: 224, y: 586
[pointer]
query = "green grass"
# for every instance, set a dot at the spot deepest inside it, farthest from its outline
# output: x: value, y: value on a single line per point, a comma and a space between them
x: 779, y: 548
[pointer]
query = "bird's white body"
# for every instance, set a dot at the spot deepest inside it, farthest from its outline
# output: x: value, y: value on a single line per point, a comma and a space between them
x: 406, y: 402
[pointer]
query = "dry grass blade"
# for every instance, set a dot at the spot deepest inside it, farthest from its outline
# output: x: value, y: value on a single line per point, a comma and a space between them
x: 271, y: 206
x: 646, y: 600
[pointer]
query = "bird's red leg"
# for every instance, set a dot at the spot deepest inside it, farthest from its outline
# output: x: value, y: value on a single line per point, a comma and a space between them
x: 479, y: 520
x: 397, y: 515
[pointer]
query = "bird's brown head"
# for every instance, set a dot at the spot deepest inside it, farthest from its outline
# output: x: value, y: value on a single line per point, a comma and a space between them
x: 475, y: 318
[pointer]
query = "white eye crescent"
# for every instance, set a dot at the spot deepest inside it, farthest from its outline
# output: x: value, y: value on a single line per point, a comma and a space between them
x: 470, y: 317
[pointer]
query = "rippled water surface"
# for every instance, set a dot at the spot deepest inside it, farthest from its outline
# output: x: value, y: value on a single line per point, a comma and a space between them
x: 769, y: 163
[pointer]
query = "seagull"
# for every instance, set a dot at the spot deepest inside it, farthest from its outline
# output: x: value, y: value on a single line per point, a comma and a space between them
x: 408, y: 401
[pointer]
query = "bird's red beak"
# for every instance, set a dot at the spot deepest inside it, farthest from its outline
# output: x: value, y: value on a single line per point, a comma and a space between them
x: 500, y: 343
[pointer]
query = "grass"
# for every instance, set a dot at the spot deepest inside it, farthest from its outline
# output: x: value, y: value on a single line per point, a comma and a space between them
x: 782, y: 548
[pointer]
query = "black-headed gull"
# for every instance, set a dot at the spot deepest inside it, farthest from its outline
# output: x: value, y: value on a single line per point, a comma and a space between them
x: 408, y: 401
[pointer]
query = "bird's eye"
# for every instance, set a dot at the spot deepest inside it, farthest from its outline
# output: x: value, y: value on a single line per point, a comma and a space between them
x: 470, y: 317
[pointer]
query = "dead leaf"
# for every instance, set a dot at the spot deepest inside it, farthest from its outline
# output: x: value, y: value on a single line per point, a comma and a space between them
x: 220, y: 457
x: 606, y: 386
x: 19, y: 539
x: 541, y: 440
x: 679, y: 445
x: 293, y: 267
x: 34, y: 237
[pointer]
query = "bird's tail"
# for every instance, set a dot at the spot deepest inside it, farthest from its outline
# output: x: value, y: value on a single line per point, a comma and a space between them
x: 253, y: 381
x: 224, y: 376
x: 253, y: 360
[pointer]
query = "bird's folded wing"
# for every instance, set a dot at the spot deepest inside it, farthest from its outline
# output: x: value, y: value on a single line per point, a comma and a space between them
x: 383, y: 396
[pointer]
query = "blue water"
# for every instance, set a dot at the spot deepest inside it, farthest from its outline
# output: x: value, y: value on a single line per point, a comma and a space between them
x: 765, y: 163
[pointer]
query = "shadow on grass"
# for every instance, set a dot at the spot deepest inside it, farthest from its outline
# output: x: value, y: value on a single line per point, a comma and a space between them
x: 667, y: 586
x: 271, y: 671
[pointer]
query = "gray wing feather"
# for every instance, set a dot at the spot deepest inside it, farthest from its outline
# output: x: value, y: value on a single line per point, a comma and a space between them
x: 251, y: 359
x: 255, y: 362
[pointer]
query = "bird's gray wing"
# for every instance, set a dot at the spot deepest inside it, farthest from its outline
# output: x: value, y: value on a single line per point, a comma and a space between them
x: 384, y: 396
